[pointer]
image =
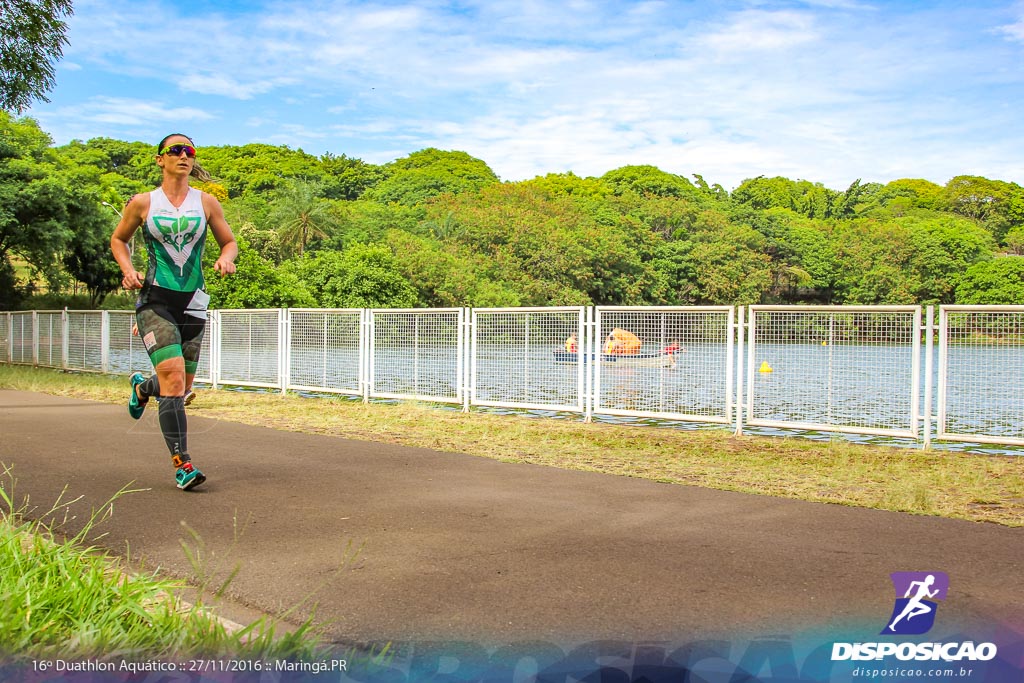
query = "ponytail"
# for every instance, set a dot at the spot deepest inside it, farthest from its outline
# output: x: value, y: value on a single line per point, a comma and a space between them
x: 200, y: 173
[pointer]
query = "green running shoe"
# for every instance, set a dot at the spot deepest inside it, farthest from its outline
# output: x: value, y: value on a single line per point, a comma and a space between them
x: 188, y: 477
x: 135, y: 405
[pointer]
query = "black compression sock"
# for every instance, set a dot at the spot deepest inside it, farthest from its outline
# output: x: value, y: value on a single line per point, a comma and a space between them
x: 173, y: 424
x: 149, y: 388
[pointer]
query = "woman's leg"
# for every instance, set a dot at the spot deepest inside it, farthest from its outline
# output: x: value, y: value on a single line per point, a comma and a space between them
x: 171, y: 376
x: 163, y: 339
x: 192, y: 333
x: 162, y: 336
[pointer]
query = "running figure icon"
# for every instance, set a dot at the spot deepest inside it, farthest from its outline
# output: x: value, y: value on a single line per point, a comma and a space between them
x: 916, y: 603
x: 915, y: 607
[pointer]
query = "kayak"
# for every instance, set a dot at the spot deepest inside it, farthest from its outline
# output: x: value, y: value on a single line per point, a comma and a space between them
x: 641, y: 360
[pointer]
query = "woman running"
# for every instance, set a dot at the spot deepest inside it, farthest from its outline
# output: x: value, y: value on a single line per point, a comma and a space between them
x: 171, y: 307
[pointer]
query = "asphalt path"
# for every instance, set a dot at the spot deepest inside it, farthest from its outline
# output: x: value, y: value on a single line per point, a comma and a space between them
x: 456, y: 547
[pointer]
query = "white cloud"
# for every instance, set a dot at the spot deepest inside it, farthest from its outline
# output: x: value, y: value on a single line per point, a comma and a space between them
x: 827, y: 90
x: 763, y: 30
x: 121, y: 110
x: 111, y: 116
x: 1013, y: 31
x: 226, y: 86
x: 840, y: 4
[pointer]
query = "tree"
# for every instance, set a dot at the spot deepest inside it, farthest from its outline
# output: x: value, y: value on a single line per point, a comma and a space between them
x: 872, y: 259
x: 996, y: 282
x: 363, y: 221
x: 554, y: 184
x: 32, y: 38
x: 560, y: 250
x: 429, y: 173
x: 300, y: 214
x: 669, y: 218
x: 675, y: 270
x: 847, y: 203
x: 346, y: 177
x: 943, y: 248
x: 905, y: 194
x: 87, y: 258
x: 1015, y: 241
x: 766, y: 193
x: 255, y: 284
x: 12, y: 292
x: 33, y: 198
x: 362, y: 276
x: 997, y: 205
x: 650, y: 180
x: 257, y: 169
x: 806, y: 198
x: 266, y: 243
x: 814, y: 254
x: 729, y: 268
x: 444, y: 275
x: 715, y: 191
x: 131, y: 161
x: 973, y: 196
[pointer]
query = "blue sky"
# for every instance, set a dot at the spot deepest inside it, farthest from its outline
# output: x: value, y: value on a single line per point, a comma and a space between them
x: 823, y: 90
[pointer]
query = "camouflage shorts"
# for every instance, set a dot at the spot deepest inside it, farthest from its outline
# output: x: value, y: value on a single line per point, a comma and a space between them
x: 167, y: 335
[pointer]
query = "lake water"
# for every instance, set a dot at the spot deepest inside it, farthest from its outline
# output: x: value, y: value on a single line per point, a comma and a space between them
x: 855, y: 385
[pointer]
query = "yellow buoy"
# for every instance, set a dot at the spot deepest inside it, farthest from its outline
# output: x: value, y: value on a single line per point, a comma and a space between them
x: 765, y: 367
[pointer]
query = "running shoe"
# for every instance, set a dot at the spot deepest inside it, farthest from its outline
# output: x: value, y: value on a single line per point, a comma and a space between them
x: 188, y: 477
x: 136, y: 406
x: 189, y: 397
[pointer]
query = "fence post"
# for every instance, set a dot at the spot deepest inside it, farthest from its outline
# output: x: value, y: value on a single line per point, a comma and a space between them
x: 468, y: 356
x: 941, y: 366
x: 105, y: 342
x: 284, y: 348
x: 65, y: 338
x: 748, y: 368
x: 366, y: 352
x: 35, y: 339
x: 738, y: 356
x: 929, y: 370
x: 915, y: 373
x: 9, y: 345
x: 588, y: 357
x: 581, y: 360
x: 214, y: 348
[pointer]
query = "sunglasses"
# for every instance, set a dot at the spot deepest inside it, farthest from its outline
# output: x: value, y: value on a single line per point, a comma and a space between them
x: 177, y: 148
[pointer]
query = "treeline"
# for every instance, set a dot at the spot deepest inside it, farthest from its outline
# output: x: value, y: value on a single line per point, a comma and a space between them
x: 438, y: 228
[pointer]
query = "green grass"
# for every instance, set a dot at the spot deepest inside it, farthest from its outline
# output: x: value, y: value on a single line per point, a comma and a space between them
x: 67, y: 599
x: 972, y: 486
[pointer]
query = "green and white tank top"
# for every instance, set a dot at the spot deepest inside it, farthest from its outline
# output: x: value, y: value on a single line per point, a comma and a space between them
x: 174, y: 241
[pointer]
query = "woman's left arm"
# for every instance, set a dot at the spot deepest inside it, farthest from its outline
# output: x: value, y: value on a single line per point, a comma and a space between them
x: 222, y: 233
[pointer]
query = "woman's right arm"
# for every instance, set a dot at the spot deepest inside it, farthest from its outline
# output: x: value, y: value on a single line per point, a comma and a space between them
x: 131, y: 218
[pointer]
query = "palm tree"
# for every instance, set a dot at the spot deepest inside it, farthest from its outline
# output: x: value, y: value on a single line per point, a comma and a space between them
x: 300, y: 213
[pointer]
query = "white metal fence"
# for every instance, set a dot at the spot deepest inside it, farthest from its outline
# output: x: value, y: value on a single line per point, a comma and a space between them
x: 851, y: 369
x: 980, y: 374
x: 254, y: 340
x: 513, y: 362
x: 325, y: 350
x: 847, y: 369
x: 417, y: 354
x: 685, y: 367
